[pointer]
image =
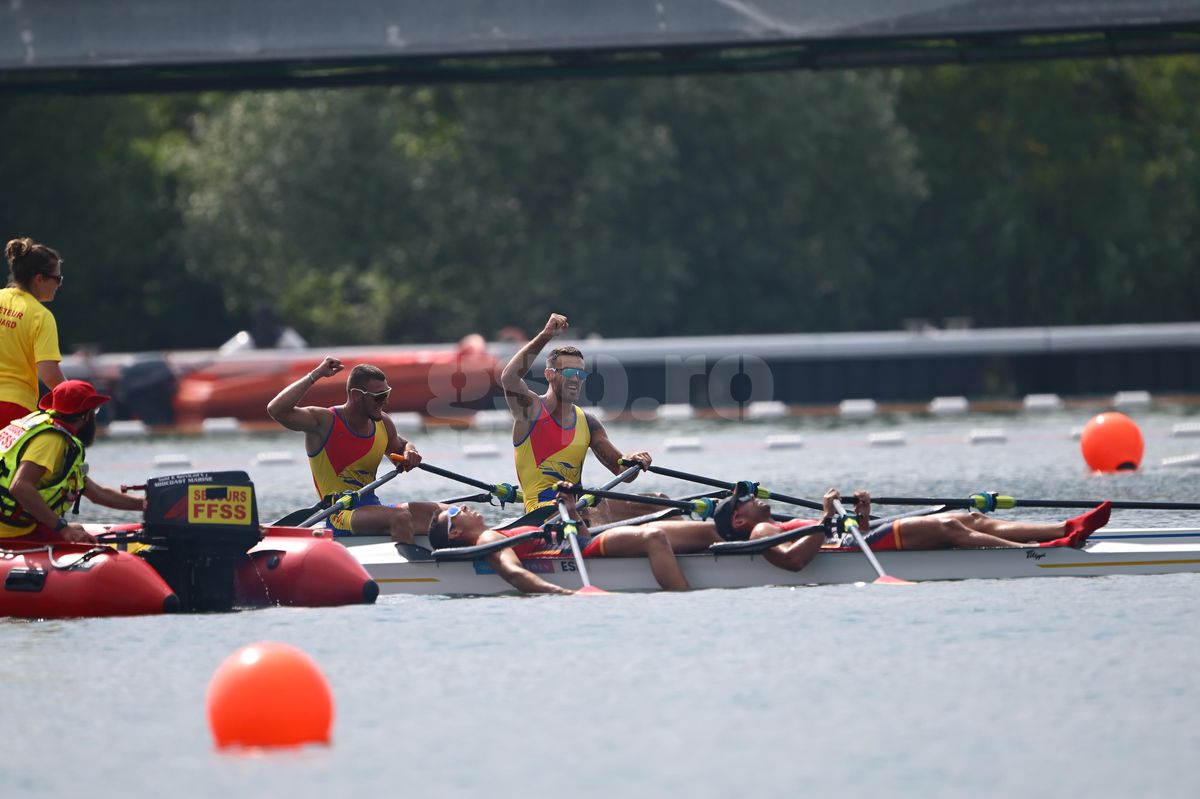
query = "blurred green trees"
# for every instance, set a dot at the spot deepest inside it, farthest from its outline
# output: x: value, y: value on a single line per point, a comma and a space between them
x: 1056, y: 193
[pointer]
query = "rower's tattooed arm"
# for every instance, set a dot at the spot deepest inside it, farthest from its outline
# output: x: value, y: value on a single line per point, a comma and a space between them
x: 607, y: 453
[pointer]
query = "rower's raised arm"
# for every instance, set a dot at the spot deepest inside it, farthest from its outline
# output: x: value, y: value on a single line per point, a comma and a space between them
x: 517, y: 394
x: 305, y: 419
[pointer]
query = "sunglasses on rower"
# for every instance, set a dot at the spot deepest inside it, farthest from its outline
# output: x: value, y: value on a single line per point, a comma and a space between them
x: 451, y: 512
x: 378, y: 396
x: 570, y: 372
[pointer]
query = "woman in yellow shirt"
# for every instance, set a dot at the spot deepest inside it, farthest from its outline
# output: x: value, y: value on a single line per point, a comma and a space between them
x: 28, y: 333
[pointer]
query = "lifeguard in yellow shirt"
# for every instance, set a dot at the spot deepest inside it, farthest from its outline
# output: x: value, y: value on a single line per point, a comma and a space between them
x: 551, y: 434
x: 28, y: 332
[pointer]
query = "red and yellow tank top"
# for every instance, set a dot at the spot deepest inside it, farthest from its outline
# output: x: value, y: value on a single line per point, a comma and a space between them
x: 551, y: 453
x: 346, y: 460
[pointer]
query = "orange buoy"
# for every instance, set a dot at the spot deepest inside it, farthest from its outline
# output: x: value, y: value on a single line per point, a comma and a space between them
x: 1112, y: 442
x: 269, y: 694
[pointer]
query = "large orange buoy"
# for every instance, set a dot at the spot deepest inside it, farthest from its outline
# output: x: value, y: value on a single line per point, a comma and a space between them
x: 269, y: 694
x: 1112, y: 442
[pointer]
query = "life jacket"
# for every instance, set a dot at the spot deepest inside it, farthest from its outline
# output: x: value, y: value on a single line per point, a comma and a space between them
x: 62, y: 488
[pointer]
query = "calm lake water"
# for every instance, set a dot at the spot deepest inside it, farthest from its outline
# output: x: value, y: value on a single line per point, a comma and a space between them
x: 1049, y: 687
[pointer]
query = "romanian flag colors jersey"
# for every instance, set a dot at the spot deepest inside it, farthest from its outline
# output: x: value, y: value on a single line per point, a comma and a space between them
x: 551, y: 453
x: 347, y: 461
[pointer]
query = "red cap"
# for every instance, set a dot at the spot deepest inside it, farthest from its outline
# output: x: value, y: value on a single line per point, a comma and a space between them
x: 73, y: 397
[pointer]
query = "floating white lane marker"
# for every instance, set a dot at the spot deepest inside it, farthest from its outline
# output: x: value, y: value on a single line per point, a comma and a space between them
x: 987, y: 435
x: 1042, y: 402
x: 946, y: 406
x: 682, y: 445
x: 1132, y: 399
x: 676, y: 411
x: 491, y: 419
x: 408, y: 420
x: 887, y: 438
x: 221, y: 424
x: 480, y: 450
x: 1182, y: 460
x: 857, y: 407
x: 172, y: 459
x: 131, y: 428
x: 785, y: 441
x: 275, y: 458
x: 766, y: 410
x: 1186, y: 429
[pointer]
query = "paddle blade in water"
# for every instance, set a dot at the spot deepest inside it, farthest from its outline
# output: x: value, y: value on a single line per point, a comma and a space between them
x: 591, y: 590
x: 887, y: 579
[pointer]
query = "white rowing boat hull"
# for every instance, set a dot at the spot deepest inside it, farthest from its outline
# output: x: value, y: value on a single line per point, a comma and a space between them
x: 396, y: 575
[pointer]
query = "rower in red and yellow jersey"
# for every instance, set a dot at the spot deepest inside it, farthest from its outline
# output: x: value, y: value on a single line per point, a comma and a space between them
x: 551, y: 434
x: 550, y: 453
x: 345, y: 445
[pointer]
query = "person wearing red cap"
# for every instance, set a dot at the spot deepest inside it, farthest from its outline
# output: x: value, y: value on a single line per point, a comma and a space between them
x: 42, y: 469
x: 28, y: 333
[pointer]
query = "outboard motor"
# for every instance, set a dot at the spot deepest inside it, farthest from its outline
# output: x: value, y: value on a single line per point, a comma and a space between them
x: 199, y: 526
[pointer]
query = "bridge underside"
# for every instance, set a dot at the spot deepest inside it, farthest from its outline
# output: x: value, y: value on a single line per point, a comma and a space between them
x: 184, y: 45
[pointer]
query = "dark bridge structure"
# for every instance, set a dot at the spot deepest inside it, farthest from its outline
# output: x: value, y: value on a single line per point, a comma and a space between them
x: 85, y: 46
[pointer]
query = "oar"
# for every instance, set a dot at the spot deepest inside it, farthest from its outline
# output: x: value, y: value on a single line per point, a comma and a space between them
x: 852, y: 525
x: 701, y: 506
x: 537, y: 515
x: 505, y: 492
x: 761, y: 493
x: 303, y: 517
x: 345, y: 500
x: 570, y: 530
x: 992, y: 501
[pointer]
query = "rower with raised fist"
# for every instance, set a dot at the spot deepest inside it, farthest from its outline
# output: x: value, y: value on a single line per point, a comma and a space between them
x: 551, y: 434
x: 345, y: 445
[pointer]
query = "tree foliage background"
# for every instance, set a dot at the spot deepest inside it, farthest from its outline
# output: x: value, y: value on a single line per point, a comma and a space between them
x: 1052, y: 193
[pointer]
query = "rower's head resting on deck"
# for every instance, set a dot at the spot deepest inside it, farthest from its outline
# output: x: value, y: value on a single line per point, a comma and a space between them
x: 457, y: 526
x: 735, y: 516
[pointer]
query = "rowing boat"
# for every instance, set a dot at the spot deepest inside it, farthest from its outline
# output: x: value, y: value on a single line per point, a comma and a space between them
x: 1109, y: 552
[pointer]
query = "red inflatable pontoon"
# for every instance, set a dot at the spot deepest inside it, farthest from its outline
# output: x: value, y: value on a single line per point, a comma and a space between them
x: 301, y: 566
x: 55, y: 581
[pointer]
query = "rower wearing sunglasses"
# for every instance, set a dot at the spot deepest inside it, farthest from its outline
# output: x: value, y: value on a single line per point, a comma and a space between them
x: 462, y: 526
x: 345, y: 445
x: 551, y: 434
